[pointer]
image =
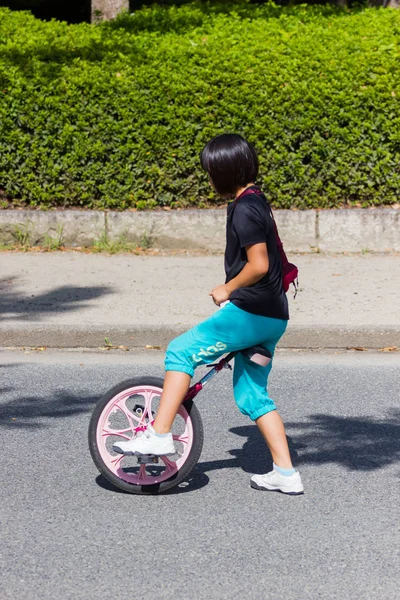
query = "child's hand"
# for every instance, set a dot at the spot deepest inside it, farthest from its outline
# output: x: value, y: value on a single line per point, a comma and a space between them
x: 220, y: 294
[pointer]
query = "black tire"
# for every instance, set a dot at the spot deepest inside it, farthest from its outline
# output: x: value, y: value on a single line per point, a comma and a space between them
x: 176, y: 478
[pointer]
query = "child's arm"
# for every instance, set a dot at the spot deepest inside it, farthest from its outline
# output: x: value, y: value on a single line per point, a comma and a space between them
x: 255, y: 269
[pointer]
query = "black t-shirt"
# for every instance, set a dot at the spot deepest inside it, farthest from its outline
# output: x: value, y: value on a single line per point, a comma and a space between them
x: 249, y: 222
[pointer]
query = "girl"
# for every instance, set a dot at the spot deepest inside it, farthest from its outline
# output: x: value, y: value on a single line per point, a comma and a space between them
x: 255, y: 313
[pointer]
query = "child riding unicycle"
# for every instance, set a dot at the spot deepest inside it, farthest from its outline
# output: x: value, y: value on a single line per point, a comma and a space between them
x: 254, y: 313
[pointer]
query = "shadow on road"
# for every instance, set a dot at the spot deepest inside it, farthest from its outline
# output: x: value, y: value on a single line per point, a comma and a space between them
x: 15, y: 306
x: 356, y: 443
x: 30, y: 412
x: 196, y: 480
x: 363, y: 444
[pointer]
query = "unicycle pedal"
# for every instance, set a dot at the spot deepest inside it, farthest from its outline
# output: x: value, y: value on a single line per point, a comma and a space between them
x: 147, y: 459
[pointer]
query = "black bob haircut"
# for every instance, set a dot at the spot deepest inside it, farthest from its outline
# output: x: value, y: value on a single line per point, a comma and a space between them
x: 230, y: 161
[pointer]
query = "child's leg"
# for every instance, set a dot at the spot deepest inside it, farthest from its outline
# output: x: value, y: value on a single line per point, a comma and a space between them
x: 250, y: 389
x: 273, y: 431
x: 228, y: 329
x: 218, y: 335
x: 176, y: 385
x: 250, y: 383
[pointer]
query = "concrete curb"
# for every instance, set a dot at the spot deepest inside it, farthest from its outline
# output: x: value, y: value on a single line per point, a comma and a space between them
x: 352, y: 230
x: 297, y: 336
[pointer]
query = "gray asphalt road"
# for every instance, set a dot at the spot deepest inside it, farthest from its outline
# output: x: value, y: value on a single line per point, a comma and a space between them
x: 66, y: 533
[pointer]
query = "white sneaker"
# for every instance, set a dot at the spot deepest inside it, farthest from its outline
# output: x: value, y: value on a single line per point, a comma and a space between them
x: 147, y: 442
x: 275, y: 482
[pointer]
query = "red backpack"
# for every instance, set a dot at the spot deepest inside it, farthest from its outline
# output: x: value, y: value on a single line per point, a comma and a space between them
x: 290, y: 273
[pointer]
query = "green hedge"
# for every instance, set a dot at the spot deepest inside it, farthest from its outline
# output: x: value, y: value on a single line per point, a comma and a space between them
x: 114, y: 115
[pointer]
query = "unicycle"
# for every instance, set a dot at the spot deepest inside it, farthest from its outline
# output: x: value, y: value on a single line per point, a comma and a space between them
x: 129, y: 407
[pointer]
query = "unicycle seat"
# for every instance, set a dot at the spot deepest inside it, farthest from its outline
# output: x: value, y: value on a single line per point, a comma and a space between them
x: 258, y: 354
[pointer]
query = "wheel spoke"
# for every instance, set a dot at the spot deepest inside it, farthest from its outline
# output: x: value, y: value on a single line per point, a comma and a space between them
x: 142, y: 472
x: 118, y: 432
x: 148, y: 402
x: 128, y: 415
x: 115, y: 461
x: 182, y: 437
x: 169, y: 465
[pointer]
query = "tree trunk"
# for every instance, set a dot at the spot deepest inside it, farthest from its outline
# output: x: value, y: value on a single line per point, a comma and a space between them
x: 104, y: 10
x: 384, y: 3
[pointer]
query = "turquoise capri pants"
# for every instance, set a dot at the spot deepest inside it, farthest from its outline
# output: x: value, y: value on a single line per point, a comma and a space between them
x: 227, y: 330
